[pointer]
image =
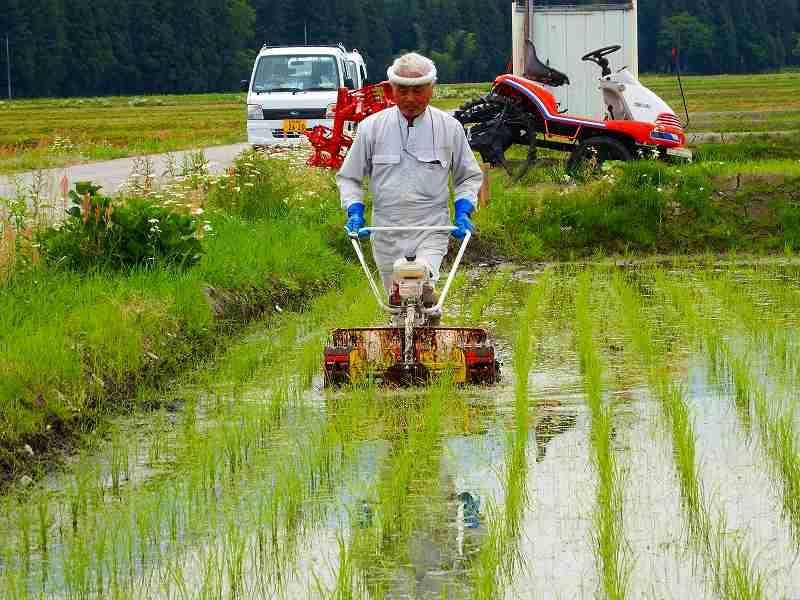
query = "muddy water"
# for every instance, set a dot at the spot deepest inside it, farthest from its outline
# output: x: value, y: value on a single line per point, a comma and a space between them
x: 257, y: 483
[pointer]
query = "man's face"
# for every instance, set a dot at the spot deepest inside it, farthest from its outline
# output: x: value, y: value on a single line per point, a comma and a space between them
x: 412, y: 100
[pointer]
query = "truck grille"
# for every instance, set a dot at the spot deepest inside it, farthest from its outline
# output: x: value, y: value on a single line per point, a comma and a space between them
x: 276, y: 114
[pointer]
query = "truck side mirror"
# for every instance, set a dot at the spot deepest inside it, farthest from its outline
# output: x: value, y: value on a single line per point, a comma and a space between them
x: 349, y: 83
x: 244, y: 84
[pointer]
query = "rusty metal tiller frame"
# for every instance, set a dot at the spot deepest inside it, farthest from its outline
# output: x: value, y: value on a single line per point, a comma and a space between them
x: 410, y: 351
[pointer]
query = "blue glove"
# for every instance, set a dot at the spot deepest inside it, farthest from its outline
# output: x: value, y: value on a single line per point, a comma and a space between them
x: 464, y: 209
x: 355, y: 219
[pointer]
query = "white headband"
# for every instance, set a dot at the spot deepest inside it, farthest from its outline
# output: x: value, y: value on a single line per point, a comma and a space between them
x: 411, y: 81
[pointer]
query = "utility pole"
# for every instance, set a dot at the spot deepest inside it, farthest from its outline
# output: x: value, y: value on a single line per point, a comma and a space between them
x: 305, y: 33
x: 8, y: 67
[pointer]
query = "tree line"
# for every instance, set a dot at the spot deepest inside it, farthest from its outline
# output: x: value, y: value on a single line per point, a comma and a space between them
x: 98, y: 47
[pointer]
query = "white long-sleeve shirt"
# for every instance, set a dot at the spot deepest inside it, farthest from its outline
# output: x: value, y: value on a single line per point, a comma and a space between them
x: 409, y: 169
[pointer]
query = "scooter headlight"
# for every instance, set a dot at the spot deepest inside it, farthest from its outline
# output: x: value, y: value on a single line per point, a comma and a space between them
x: 255, y: 112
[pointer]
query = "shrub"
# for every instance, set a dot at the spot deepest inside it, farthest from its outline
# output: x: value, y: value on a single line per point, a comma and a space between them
x: 100, y: 234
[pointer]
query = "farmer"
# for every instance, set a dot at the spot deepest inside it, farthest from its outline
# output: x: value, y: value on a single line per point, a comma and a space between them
x: 408, y: 152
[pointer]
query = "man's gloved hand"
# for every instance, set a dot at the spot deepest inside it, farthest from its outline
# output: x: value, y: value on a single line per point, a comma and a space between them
x: 355, y: 219
x: 464, y: 209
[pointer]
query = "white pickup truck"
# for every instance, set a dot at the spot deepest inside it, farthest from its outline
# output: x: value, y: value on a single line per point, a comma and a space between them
x: 294, y: 88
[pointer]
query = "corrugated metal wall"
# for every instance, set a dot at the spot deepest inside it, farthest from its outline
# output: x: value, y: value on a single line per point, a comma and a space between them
x: 564, y: 33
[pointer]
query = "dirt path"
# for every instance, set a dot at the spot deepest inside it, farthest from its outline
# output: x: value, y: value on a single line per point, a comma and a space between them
x: 112, y: 174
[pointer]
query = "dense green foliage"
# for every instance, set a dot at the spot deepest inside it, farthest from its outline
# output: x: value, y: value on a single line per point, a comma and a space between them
x: 101, y: 233
x: 135, y: 46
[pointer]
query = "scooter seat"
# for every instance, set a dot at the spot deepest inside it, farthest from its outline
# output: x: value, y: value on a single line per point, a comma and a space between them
x: 536, y: 70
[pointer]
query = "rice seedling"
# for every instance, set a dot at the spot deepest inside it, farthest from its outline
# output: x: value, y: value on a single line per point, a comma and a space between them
x: 210, y: 453
x: 406, y: 492
x: 609, y: 542
x: 499, y: 554
x: 487, y: 295
x: 235, y: 545
x: 733, y: 570
x: 345, y: 575
x: 723, y: 310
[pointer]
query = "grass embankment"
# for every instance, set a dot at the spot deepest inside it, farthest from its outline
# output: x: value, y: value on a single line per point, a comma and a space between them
x: 74, y: 347
x: 645, y: 207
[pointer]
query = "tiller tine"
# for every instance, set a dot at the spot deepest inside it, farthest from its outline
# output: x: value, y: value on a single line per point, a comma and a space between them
x: 377, y: 353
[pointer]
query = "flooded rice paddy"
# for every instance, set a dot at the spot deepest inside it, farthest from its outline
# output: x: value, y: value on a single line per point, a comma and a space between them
x: 642, y: 443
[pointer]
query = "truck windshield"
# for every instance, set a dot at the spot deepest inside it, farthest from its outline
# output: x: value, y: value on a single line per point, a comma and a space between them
x: 288, y: 73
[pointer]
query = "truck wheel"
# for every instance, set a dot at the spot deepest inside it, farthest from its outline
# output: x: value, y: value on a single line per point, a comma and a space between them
x: 593, y: 152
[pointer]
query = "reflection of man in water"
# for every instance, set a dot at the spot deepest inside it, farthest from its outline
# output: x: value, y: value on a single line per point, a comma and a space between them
x: 447, y: 537
x: 437, y: 557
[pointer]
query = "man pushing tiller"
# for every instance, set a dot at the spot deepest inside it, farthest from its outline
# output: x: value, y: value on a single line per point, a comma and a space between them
x: 409, y: 152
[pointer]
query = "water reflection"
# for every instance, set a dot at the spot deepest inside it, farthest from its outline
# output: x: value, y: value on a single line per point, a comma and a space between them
x: 550, y: 424
x: 438, y: 516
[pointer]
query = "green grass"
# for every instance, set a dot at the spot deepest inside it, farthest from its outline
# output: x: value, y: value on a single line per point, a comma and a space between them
x: 54, y: 132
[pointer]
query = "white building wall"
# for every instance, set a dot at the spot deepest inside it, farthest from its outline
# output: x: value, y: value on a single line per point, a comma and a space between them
x: 518, y: 12
x: 562, y: 34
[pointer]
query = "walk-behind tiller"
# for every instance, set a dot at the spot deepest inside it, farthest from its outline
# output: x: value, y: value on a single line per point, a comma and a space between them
x: 411, y: 350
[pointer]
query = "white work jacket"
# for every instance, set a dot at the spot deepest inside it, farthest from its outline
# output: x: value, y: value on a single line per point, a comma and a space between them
x: 409, y: 168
